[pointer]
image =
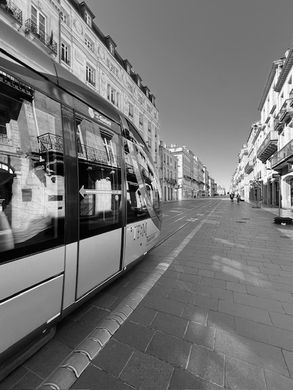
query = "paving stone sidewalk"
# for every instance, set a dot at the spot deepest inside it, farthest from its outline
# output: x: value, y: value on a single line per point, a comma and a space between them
x: 219, y: 317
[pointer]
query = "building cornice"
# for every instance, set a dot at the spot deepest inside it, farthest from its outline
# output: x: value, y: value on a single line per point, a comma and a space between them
x: 268, y: 85
x: 105, y: 40
x: 286, y: 69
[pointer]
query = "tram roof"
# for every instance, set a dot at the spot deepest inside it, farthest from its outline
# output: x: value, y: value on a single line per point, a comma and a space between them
x: 30, y: 55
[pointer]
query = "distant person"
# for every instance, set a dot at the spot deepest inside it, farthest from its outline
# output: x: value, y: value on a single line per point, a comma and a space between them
x: 232, y: 196
x: 238, y: 198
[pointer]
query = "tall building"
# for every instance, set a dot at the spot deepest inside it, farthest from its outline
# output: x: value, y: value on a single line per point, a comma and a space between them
x: 184, y: 161
x: 66, y: 31
x: 168, y: 173
x: 268, y: 171
x: 193, y: 177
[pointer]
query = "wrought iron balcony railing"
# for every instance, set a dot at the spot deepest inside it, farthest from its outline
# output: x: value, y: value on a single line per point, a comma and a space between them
x: 283, y: 155
x: 54, y: 143
x: 268, y: 146
x: 284, y: 115
x: 12, y: 10
x: 98, y: 155
x: 4, y: 140
x: 48, y: 41
x: 286, y: 111
x: 23, y: 90
x: 278, y: 125
x: 258, y: 129
x: 50, y: 143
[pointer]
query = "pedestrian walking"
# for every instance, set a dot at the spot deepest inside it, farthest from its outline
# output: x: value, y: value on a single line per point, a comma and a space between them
x: 238, y: 198
x: 232, y: 196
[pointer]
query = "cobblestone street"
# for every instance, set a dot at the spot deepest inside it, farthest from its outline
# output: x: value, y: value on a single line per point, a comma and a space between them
x: 209, y: 308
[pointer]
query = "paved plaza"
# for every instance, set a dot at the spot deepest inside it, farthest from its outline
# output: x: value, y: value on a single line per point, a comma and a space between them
x: 210, y: 308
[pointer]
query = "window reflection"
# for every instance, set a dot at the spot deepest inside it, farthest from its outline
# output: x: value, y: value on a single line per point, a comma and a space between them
x: 99, y: 178
x: 143, y: 191
x: 31, y: 171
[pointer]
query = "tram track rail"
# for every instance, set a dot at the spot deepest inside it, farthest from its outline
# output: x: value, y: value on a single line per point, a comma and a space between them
x: 165, y: 238
x: 196, y: 214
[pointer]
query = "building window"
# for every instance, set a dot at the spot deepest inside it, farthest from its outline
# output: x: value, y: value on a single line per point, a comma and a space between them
x: 38, y: 22
x: 88, y: 19
x: 130, y: 110
x: 89, y: 43
x: 65, y: 53
x: 140, y: 119
x: 111, y: 48
x: 149, y: 143
x: 113, y: 96
x: 90, y: 75
x: 149, y: 127
x: 109, y: 150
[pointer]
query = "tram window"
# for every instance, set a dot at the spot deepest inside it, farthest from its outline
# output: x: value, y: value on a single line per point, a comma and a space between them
x: 143, y: 190
x: 150, y: 179
x: 31, y: 174
x: 136, y: 200
x: 99, y: 161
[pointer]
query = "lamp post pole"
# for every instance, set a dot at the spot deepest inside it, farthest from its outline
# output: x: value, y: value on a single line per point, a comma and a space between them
x: 279, y: 195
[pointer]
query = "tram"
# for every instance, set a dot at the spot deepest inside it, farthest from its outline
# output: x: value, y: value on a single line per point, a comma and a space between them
x: 79, y: 196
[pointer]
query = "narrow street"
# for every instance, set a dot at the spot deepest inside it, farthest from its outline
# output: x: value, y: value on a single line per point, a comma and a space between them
x: 211, y: 307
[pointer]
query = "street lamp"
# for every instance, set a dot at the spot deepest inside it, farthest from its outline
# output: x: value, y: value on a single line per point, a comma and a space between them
x: 278, y: 176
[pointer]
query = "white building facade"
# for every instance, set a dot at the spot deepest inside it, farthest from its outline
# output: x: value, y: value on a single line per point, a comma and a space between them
x: 194, y: 180
x: 66, y: 31
x: 168, y: 173
x: 268, y: 172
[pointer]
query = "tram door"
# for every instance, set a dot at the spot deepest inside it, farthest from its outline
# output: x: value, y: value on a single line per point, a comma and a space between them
x: 142, y: 195
x: 100, y: 220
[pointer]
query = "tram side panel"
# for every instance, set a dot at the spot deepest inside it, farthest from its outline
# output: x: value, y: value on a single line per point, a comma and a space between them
x: 32, y: 198
x: 143, y: 199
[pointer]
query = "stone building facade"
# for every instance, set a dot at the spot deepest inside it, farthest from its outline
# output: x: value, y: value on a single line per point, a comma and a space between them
x: 268, y: 170
x: 66, y: 31
x: 168, y: 173
x: 193, y: 176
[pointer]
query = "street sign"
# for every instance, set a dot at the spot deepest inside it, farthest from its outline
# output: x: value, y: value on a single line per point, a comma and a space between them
x: 84, y: 191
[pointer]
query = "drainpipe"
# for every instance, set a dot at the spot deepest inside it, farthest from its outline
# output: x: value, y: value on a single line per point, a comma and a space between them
x: 279, y: 195
x: 59, y: 32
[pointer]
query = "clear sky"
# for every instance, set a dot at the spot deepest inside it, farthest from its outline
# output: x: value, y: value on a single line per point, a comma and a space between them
x: 206, y: 62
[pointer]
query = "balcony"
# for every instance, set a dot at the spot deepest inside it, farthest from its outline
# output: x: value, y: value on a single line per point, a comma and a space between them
x: 50, y: 143
x: 283, y: 156
x: 286, y: 111
x: 14, y: 87
x: 5, y: 141
x: 244, y: 152
x: 48, y: 41
x: 10, y: 9
x: 248, y: 167
x: 257, y: 129
x: 284, y: 116
x: 278, y: 125
x: 268, y: 147
x: 172, y: 182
